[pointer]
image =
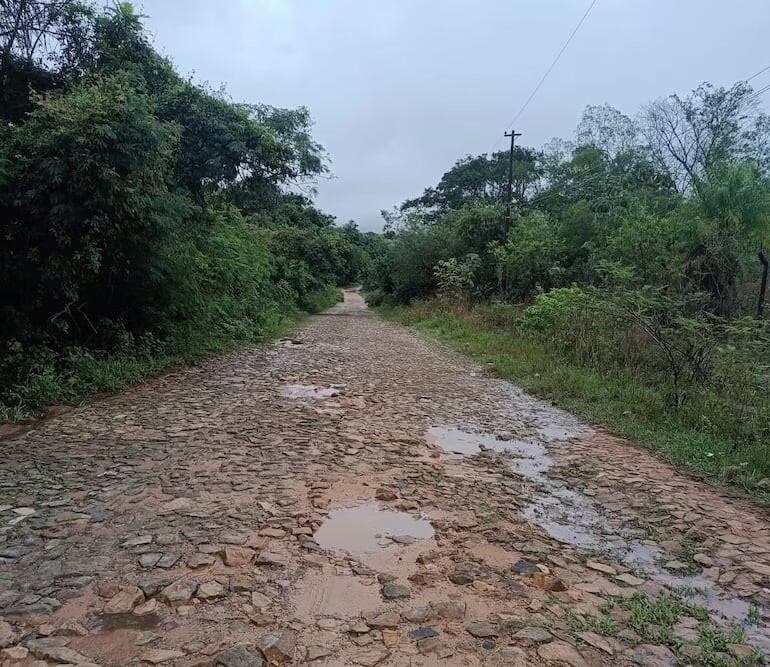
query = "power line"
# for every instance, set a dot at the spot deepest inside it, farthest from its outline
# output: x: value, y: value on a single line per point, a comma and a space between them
x: 553, y: 64
x: 754, y: 76
x: 757, y: 94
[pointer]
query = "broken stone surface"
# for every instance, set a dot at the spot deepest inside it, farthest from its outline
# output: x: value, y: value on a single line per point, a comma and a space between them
x: 179, y: 591
x: 8, y: 635
x: 654, y: 656
x: 370, y: 657
x: 317, y: 652
x: 449, y: 610
x: 562, y: 652
x: 210, y: 590
x: 388, y: 619
x: 278, y: 648
x: 57, y: 653
x: 533, y: 634
x: 548, y: 582
x: 157, y: 656
x: 234, y: 556
x: 124, y: 601
x: 240, y: 656
x: 481, y: 629
x: 393, y: 591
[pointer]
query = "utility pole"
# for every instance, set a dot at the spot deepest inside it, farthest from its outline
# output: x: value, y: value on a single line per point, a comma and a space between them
x: 763, y: 286
x: 512, y: 134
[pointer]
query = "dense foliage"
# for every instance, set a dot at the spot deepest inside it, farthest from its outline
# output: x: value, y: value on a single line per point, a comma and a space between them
x: 633, y: 247
x: 142, y: 216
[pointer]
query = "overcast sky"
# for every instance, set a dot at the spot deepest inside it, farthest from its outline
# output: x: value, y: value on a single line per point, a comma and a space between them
x: 399, y: 89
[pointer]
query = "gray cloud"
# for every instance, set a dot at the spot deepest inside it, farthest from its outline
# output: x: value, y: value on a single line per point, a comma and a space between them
x: 400, y: 89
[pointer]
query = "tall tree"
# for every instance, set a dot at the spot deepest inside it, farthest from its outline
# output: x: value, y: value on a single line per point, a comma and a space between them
x: 608, y: 129
x: 480, y: 179
x: 686, y: 136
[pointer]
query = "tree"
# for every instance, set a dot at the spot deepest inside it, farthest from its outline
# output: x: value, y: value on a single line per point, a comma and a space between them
x: 687, y: 136
x: 86, y: 210
x: 481, y: 179
x: 607, y: 129
x: 42, y: 42
x: 731, y: 216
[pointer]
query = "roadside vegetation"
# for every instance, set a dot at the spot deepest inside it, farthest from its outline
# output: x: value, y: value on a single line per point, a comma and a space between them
x: 145, y: 219
x: 627, y: 283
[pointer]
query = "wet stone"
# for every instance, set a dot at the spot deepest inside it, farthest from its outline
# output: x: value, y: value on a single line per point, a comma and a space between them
x: 524, y: 567
x: 157, y: 656
x: 534, y: 634
x: 395, y: 591
x: 168, y: 560
x: 652, y: 655
x: 199, y: 560
x: 423, y: 633
x: 388, y: 619
x: 279, y: 647
x: 210, y: 590
x: 149, y: 560
x: 178, y: 592
x: 316, y: 652
x: 235, y: 556
x: 370, y: 657
x: 481, y: 629
x: 240, y: 656
x: 562, y: 652
x: 124, y: 601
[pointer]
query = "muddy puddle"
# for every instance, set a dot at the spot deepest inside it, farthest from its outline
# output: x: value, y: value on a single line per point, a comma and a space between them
x: 572, y: 517
x: 308, y: 391
x: 529, y: 457
x: 364, y: 529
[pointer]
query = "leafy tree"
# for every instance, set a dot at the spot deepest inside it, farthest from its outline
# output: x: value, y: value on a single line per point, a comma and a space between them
x: 87, y: 208
x: 481, y: 179
x: 530, y: 259
x: 608, y: 129
x: 732, y: 217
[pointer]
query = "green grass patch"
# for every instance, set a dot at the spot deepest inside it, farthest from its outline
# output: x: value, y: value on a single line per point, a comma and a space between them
x: 703, y: 436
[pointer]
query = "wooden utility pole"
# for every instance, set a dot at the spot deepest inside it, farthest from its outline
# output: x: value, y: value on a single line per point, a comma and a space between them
x: 512, y: 134
x: 763, y: 286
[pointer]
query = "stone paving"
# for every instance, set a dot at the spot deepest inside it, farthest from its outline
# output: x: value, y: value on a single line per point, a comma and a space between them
x: 204, y: 518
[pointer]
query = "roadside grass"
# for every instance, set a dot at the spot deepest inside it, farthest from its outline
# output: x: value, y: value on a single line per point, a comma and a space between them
x: 704, y: 436
x: 69, y: 377
x: 654, y: 619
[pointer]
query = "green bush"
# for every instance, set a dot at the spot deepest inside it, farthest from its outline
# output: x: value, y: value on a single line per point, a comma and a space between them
x: 87, y: 212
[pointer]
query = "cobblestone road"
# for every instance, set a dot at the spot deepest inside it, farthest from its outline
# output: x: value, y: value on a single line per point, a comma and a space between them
x: 359, y: 495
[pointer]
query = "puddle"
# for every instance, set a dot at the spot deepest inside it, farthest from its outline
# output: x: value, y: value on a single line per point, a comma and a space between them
x: 573, y: 518
x: 365, y: 529
x: 311, y: 391
x: 290, y: 342
x: 530, y: 460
